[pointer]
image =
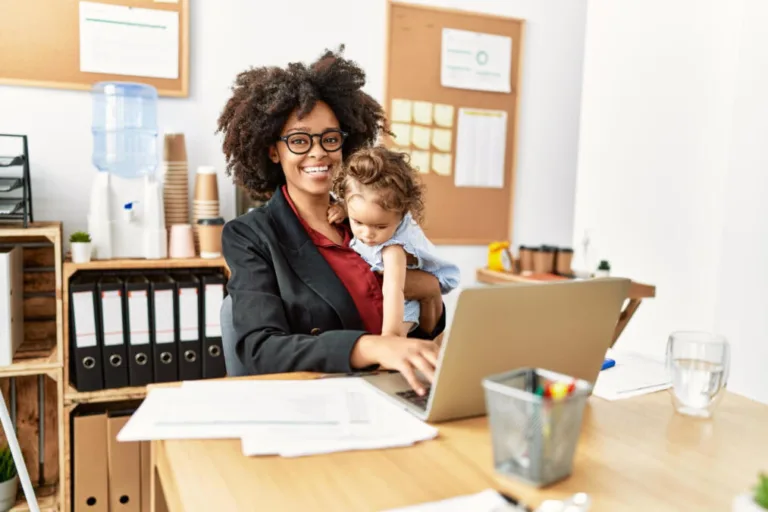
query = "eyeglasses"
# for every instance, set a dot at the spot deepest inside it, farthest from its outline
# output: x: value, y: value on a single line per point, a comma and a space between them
x: 301, y: 143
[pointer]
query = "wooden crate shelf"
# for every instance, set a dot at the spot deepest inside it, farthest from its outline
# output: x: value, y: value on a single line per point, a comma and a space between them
x: 40, y: 354
x: 75, y: 397
x: 47, y: 499
x: 72, y: 398
x: 32, y: 359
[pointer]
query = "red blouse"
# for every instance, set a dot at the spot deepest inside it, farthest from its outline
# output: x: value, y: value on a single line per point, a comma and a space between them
x: 363, y: 285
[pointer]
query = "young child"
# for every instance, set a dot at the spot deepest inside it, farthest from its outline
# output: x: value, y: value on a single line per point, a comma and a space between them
x: 382, y: 196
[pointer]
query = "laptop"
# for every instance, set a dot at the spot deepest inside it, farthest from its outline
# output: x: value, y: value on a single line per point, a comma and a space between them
x: 562, y: 326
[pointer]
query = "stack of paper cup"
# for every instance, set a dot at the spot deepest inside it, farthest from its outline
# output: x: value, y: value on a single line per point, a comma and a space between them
x: 205, y: 204
x: 176, y: 186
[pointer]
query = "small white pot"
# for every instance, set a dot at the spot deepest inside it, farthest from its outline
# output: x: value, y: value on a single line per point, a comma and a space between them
x: 81, y: 252
x: 746, y: 503
x: 8, y: 490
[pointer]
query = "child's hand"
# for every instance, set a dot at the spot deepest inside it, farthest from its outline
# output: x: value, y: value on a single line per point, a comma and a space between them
x: 336, y: 214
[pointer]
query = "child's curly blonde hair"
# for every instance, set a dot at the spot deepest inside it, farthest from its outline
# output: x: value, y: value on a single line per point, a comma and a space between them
x: 389, y: 174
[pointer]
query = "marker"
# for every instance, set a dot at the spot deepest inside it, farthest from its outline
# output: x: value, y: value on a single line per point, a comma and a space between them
x: 608, y: 363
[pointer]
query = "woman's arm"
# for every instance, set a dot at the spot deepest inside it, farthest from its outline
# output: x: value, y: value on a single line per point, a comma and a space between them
x: 421, y: 285
x: 394, y: 281
x: 265, y: 341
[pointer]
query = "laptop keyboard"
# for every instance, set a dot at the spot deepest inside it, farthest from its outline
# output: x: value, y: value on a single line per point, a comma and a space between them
x: 412, y: 397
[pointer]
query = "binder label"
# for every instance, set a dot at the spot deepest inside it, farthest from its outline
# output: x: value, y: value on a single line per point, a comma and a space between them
x: 164, y: 316
x: 214, y: 295
x: 188, y: 306
x: 138, y: 317
x: 112, y: 316
x: 85, y: 319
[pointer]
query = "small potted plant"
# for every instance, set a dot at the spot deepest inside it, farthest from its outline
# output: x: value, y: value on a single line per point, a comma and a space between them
x: 756, y: 501
x: 9, y: 480
x: 80, y: 244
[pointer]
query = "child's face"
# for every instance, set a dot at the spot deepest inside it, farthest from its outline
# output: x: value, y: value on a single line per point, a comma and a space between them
x: 370, y: 223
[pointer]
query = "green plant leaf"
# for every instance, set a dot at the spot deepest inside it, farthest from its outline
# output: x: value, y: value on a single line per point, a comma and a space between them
x: 7, y: 466
x: 79, y: 236
x: 761, y: 491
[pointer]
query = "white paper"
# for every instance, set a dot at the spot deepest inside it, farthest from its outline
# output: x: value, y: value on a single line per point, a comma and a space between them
x: 129, y: 40
x: 112, y: 317
x: 443, y: 115
x: 401, y: 111
x: 287, y: 418
x: 486, y: 501
x: 480, y: 148
x: 189, y: 330
x: 420, y: 160
x: 473, y: 60
x: 85, y: 319
x: 138, y: 317
x: 402, y: 134
x: 441, y: 164
x: 420, y: 137
x: 422, y: 112
x: 633, y: 375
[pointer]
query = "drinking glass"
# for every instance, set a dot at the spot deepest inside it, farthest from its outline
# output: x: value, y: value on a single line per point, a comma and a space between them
x: 698, y: 364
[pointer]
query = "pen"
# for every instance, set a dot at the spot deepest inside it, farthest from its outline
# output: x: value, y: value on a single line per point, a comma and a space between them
x: 608, y: 363
x: 514, y: 502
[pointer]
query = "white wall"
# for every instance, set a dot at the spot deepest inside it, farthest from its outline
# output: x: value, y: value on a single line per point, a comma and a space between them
x: 667, y: 179
x: 230, y: 35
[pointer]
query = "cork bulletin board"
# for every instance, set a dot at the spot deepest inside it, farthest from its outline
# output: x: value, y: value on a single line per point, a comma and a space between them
x: 461, y: 138
x: 40, y: 43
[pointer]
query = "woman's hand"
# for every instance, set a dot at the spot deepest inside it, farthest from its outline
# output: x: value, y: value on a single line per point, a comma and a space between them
x: 405, y: 355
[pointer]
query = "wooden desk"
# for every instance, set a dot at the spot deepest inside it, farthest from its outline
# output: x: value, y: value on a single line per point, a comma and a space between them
x: 634, y: 454
x: 637, y: 291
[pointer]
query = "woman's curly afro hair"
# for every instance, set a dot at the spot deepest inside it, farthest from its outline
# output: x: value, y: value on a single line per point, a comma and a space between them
x: 263, y: 98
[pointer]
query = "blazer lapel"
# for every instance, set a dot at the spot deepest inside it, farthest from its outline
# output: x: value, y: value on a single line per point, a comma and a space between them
x: 309, y: 264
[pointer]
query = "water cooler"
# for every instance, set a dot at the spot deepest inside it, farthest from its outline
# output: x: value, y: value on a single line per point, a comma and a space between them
x: 126, y: 218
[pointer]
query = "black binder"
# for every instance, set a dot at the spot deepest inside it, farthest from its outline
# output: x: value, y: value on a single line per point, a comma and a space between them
x: 140, y: 363
x: 112, y: 332
x: 188, y: 330
x: 162, y: 330
x: 85, y: 350
x: 214, y: 290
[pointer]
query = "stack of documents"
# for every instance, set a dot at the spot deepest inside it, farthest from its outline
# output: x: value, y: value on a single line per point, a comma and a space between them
x: 633, y: 375
x: 287, y: 418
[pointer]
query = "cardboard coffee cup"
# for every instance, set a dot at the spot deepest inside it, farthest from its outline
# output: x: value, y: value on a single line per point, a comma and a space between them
x: 209, y: 231
x: 544, y: 260
x: 206, y: 187
x: 526, y: 259
x: 563, y: 261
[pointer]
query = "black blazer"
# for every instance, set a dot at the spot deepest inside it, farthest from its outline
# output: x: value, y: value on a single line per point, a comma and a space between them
x: 290, y: 310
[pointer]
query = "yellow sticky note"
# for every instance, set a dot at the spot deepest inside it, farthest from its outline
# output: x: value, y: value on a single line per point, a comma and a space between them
x: 441, y: 164
x: 444, y: 115
x: 401, y: 111
x: 441, y: 139
x: 402, y: 134
x: 422, y: 112
x: 420, y: 160
x: 420, y: 137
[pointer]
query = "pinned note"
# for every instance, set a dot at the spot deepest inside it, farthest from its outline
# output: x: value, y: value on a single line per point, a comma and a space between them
x: 441, y: 139
x: 443, y: 115
x: 401, y: 111
x: 441, y: 164
x: 421, y: 137
x: 402, y: 134
x: 420, y: 160
x: 422, y: 112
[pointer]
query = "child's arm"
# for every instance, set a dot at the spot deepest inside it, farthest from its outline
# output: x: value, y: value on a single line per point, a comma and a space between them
x: 394, y: 281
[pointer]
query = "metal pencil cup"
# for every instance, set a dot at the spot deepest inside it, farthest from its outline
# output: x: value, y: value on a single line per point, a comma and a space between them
x: 534, y: 437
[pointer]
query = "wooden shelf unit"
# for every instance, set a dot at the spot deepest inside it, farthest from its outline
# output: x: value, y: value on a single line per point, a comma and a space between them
x: 72, y: 398
x: 40, y: 354
x: 47, y: 500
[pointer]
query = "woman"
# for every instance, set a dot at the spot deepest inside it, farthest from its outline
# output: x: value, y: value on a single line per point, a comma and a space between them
x: 302, y: 298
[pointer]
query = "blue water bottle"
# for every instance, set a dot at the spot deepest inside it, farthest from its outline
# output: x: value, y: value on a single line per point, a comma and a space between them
x: 124, y: 127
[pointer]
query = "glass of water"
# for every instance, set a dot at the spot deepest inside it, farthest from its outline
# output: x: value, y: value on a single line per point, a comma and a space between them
x: 698, y: 363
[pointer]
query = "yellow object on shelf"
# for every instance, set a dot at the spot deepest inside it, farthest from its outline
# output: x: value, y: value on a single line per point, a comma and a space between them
x: 496, y: 252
